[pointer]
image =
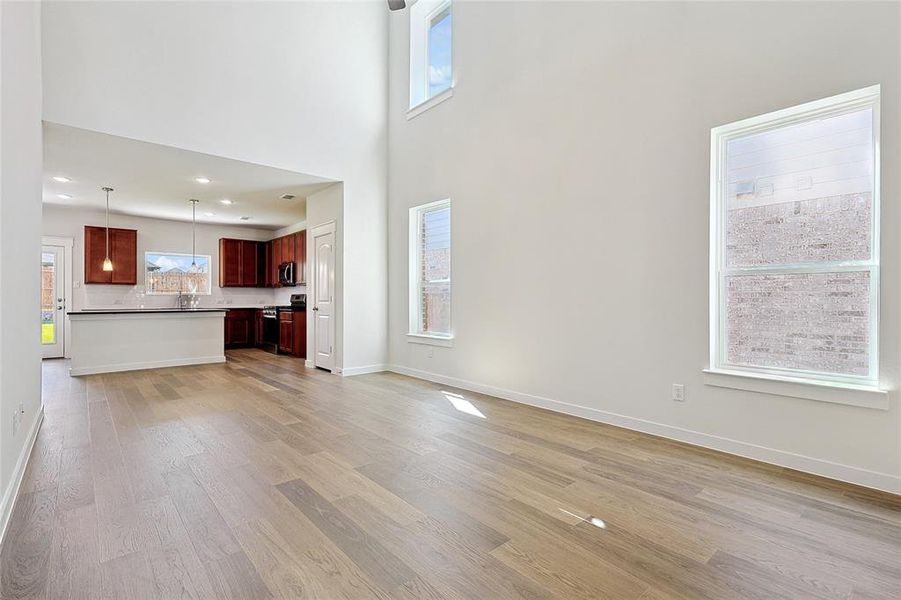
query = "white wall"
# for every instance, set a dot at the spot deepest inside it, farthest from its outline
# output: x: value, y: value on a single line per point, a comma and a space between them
x: 20, y: 226
x: 154, y: 235
x: 295, y: 85
x: 576, y: 152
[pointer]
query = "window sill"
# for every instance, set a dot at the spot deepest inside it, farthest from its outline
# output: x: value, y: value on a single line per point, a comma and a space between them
x: 837, y: 393
x: 430, y: 103
x: 430, y: 340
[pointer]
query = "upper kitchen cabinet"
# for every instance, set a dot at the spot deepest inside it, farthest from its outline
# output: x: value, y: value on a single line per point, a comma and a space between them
x: 241, y: 263
x: 300, y: 256
x: 248, y: 263
x: 123, y: 252
x: 275, y: 259
x: 289, y: 248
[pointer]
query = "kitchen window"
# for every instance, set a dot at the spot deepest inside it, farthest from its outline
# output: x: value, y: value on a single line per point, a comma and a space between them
x: 430, y: 272
x: 431, y: 52
x: 795, y: 243
x: 173, y: 273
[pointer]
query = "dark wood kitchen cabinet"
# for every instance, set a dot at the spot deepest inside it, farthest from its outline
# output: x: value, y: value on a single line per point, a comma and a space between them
x: 248, y: 263
x: 292, y: 333
x: 300, y: 334
x: 229, y: 263
x: 241, y: 263
x: 123, y: 252
x: 300, y: 256
x: 275, y: 259
x: 258, y: 322
x: 286, y: 332
x: 239, y: 328
x: 288, y: 248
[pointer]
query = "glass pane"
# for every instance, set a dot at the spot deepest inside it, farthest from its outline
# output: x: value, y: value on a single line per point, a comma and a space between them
x: 174, y: 273
x: 48, y: 298
x: 810, y: 321
x: 439, y: 52
x: 801, y: 193
x: 436, y: 245
x: 435, y: 276
x: 436, y: 308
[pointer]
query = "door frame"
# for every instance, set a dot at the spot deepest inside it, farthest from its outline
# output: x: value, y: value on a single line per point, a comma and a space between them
x: 68, y: 245
x: 323, y: 229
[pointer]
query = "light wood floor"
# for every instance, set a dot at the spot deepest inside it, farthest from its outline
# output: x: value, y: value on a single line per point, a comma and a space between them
x: 260, y: 479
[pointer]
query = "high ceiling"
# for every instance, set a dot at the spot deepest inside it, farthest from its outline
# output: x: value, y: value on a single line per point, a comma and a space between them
x: 151, y: 180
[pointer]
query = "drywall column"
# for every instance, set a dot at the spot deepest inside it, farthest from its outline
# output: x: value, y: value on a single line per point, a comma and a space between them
x: 20, y: 239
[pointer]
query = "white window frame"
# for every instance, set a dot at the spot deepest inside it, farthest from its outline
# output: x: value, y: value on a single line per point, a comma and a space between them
x: 786, y: 378
x: 420, y: 26
x: 147, y: 274
x: 414, y: 335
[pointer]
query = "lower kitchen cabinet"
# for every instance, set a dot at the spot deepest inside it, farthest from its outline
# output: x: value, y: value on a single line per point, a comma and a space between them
x: 292, y: 333
x: 300, y: 334
x: 239, y: 328
x: 259, y: 324
x: 286, y: 332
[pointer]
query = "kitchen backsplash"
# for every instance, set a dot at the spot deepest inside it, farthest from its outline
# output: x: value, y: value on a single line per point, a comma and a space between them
x: 116, y: 296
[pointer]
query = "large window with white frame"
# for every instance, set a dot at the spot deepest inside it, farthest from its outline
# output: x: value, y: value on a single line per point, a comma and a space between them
x: 431, y: 50
x: 430, y: 270
x: 795, y: 242
x: 169, y: 273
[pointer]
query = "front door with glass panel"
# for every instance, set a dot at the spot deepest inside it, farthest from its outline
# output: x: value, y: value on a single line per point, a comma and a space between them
x: 53, y: 301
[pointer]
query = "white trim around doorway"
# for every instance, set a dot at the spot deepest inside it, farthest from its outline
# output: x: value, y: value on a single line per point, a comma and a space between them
x: 68, y: 244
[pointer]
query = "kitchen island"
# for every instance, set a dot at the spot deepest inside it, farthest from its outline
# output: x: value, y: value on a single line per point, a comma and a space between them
x: 111, y: 340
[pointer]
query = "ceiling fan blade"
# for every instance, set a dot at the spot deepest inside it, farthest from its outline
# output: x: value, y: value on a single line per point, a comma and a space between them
x: 396, y: 4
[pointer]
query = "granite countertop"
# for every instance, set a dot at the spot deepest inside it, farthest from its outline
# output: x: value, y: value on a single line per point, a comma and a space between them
x: 134, y: 311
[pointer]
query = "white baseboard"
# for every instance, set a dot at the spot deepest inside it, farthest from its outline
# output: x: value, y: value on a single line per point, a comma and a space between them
x: 815, y: 466
x: 309, y: 364
x: 12, y: 490
x: 152, y: 364
x: 351, y: 371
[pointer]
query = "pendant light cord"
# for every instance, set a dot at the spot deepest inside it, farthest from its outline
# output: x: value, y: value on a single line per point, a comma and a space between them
x: 107, y: 222
x: 194, y: 233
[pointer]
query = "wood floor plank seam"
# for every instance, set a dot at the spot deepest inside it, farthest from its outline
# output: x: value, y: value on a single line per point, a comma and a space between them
x: 261, y: 478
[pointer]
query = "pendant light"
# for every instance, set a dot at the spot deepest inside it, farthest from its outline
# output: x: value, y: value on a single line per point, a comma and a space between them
x: 107, y: 263
x: 193, y: 268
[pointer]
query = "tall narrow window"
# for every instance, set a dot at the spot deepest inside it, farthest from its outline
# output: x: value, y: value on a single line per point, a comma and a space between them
x: 794, y: 242
x: 430, y: 270
x: 431, y: 57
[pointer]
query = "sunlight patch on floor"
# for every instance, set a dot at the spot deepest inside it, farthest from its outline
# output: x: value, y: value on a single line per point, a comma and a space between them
x: 463, y: 405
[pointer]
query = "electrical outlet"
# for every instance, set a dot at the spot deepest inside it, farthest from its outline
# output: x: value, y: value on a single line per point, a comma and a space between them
x: 678, y: 392
x: 430, y: 352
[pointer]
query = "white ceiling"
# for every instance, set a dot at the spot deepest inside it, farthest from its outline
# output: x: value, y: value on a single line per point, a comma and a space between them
x: 151, y: 180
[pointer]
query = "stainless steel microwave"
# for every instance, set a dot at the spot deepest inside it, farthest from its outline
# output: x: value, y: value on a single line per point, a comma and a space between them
x: 286, y: 275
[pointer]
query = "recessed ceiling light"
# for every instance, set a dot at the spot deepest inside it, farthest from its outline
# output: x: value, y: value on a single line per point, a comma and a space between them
x: 64, y: 196
x: 209, y: 214
x: 202, y: 179
x: 62, y: 179
x: 226, y: 201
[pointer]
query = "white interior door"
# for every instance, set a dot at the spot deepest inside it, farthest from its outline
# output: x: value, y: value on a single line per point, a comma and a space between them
x: 53, y: 301
x: 324, y: 296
